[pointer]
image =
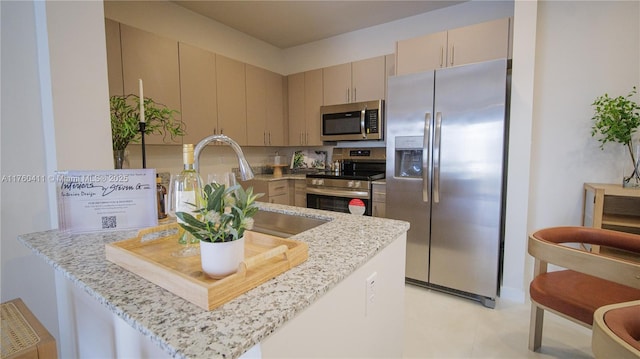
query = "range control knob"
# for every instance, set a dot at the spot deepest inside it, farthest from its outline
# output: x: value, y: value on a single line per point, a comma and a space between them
x: 321, y: 182
x: 314, y: 181
x: 350, y: 184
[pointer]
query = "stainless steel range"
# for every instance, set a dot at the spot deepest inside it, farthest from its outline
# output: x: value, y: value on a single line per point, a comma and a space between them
x: 350, y: 185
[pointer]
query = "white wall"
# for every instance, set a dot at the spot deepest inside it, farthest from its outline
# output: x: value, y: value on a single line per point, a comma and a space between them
x: 25, y: 206
x: 584, y: 49
x: 54, y: 116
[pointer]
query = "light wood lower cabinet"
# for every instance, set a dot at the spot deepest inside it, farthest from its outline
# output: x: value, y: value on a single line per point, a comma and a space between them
x: 275, y: 191
x: 300, y: 193
x: 379, y: 199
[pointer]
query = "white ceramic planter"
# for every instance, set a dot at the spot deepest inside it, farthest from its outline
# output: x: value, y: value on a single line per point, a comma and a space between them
x: 221, y: 259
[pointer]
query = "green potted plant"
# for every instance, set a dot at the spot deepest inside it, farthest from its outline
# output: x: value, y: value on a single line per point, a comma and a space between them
x: 616, y: 119
x: 125, y: 122
x: 220, y: 225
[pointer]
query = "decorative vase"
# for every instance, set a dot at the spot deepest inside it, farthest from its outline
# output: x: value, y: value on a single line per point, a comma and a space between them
x: 631, y: 174
x: 120, y: 159
x: 221, y: 259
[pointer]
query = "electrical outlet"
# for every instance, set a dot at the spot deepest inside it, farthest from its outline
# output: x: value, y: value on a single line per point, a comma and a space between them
x: 370, y: 293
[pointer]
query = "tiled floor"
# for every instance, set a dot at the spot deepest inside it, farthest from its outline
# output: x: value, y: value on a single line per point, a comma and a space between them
x: 439, y: 325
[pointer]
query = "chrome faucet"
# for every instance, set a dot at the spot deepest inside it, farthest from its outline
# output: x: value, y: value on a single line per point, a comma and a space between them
x: 245, y: 170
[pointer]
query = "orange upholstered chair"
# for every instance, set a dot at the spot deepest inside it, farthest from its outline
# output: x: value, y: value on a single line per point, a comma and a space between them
x: 590, y: 280
x: 616, y: 331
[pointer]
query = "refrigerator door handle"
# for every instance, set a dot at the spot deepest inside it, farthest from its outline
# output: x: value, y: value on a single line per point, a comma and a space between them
x: 426, y: 156
x: 436, y: 158
x: 362, y: 114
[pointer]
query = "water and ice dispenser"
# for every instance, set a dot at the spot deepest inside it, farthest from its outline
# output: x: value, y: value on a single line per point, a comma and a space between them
x: 408, y: 156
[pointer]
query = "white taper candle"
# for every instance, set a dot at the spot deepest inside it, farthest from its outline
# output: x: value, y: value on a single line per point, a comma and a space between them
x: 141, y: 102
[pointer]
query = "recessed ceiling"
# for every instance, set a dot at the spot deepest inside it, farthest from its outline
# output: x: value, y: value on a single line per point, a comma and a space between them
x: 290, y: 23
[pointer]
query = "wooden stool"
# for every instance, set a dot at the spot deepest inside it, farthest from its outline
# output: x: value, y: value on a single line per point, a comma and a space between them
x: 23, y: 336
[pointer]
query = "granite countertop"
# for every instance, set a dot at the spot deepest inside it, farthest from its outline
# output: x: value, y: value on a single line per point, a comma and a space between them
x: 184, y: 330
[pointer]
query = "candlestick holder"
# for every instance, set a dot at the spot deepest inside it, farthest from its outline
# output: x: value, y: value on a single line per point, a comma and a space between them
x: 143, y: 127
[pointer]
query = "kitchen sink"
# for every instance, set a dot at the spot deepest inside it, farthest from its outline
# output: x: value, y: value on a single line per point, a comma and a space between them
x: 283, y: 225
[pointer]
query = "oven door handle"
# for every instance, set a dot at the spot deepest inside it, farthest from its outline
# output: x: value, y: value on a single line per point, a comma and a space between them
x: 338, y: 193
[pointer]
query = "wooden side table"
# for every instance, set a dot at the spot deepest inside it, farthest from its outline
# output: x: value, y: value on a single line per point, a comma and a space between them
x: 23, y: 336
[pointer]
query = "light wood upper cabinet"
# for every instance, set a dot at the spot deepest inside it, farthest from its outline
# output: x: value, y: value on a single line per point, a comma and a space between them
x: 337, y: 84
x: 305, y: 99
x: 477, y: 43
x: 362, y: 80
x: 464, y: 45
x: 114, y: 57
x: 312, y: 103
x: 154, y: 59
x: 368, y: 79
x: 275, y: 109
x: 265, y: 112
x: 297, y: 126
x: 421, y: 53
x: 198, y: 92
x: 232, y: 101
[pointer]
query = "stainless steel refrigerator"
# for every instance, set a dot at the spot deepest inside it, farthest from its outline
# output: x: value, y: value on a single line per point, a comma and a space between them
x: 446, y: 132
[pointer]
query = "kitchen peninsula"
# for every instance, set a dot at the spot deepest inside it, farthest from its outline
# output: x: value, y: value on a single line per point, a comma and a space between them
x: 345, y: 300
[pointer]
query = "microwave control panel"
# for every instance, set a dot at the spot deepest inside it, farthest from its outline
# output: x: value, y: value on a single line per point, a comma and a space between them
x: 371, y: 119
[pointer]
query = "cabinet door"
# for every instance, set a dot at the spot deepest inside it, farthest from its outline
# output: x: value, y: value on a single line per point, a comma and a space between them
x: 256, y: 106
x: 421, y: 53
x: 154, y: 59
x: 312, y: 103
x: 337, y: 84
x: 275, y: 109
x: 198, y: 92
x: 232, y: 101
x: 114, y: 57
x: 296, y: 109
x: 368, y: 79
x: 300, y: 193
x: 477, y: 43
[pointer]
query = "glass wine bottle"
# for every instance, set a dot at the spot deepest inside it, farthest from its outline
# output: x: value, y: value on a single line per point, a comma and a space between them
x: 185, y: 193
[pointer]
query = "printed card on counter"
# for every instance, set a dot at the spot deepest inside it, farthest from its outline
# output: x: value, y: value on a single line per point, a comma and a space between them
x: 90, y: 201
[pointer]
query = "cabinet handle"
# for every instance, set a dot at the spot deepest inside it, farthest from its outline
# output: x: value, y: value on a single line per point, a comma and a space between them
x: 441, y: 56
x: 306, y: 142
x: 348, y: 94
x: 301, y: 141
x: 222, y: 131
x: 269, y: 137
x: 452, y: 52
x: 355, y: 95
x: 264, y: 137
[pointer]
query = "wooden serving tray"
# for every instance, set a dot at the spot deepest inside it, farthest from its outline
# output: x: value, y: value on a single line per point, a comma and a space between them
x: 149, y: 255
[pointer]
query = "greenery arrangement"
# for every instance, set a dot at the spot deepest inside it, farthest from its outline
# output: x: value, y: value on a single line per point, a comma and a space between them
x: 125, y: 120
x: 615, y: 120
x: 228, y: 212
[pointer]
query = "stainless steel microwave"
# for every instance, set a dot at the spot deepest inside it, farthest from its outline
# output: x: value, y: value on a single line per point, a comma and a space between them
x: 353, y: 121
